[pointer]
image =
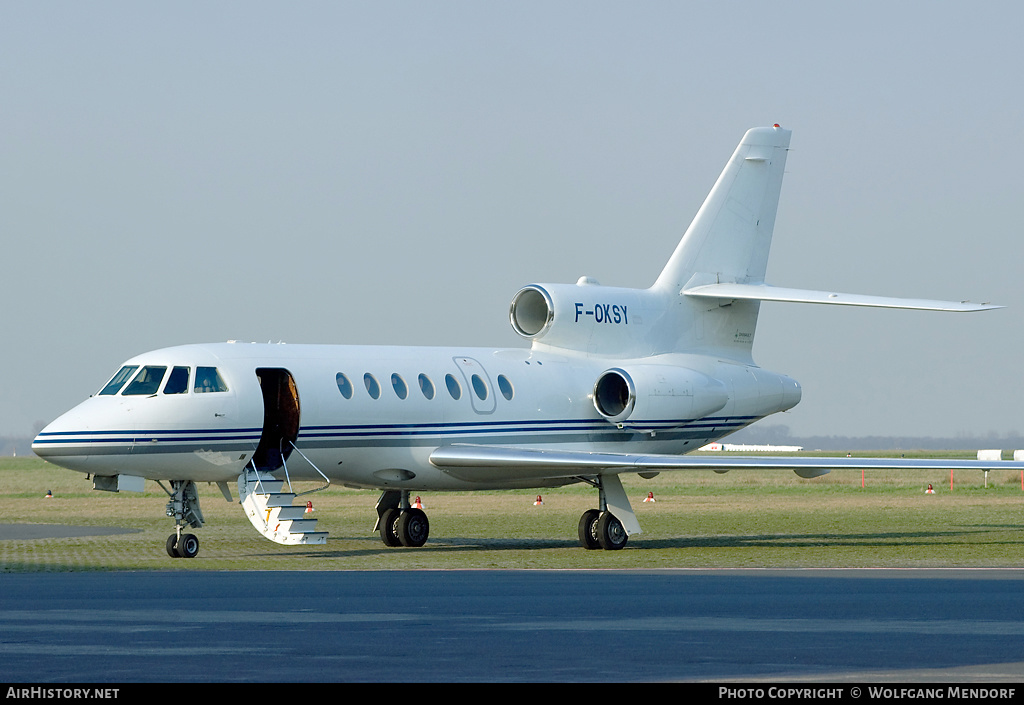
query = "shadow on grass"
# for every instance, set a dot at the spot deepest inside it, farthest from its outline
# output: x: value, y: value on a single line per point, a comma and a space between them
x: 962, y: 537
x: 21, y: 532
x: 448, y: 545
x: 453, y: 545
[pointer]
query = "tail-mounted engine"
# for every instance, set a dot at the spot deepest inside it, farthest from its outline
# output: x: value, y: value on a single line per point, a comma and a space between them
x: 587, y: 317
x: 651, y: 397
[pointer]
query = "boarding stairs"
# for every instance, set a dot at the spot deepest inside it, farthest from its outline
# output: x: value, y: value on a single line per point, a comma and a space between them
x: 273, y: 512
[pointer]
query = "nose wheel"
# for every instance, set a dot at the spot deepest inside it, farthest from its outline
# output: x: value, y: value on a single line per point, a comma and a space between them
x: 183, y: 546
x: 184, y: 509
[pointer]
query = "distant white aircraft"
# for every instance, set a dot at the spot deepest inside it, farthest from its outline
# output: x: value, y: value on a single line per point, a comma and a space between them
x: 615, y: 380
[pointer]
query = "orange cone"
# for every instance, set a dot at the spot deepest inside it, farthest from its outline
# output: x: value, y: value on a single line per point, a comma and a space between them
x: 650, y: 497
x: 417, y: 504
x: 539, y: 501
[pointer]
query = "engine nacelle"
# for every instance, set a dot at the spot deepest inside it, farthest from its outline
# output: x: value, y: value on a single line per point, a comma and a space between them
x: 586, y: 316
x: 657, y: 396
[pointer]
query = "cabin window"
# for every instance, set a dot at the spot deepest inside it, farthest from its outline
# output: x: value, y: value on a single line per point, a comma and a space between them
x: 399, y: 385
x: 118, y: 380
x: 505, y: 386
x: 344, y: 386
x: 177, y: 382
x: 453, y: 387
x: 479, y: 386
x: 208, y: 379
x: 147, y: 381
x: 372, y: 386
x: 426, y: 386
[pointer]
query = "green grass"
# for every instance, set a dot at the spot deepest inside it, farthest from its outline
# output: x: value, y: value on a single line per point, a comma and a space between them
x: 700, y: 520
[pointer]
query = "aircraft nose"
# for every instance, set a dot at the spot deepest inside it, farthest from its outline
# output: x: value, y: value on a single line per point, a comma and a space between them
x: 66, y: 441
x: 41, y: 444
x: 54, y: 441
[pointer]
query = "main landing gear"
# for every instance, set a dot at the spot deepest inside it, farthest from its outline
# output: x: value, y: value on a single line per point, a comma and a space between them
x: 399, y: 523
x: 184, y: 508
x: 610, y: 526
x: 599, y: 529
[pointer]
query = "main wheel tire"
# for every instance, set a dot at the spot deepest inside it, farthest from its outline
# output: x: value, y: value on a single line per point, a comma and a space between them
x: 588, y: 529
x: 188, y: 546
x: 610, y: 532
x: 172, y: 541
x: 389, y: 527
x: 413, y: 528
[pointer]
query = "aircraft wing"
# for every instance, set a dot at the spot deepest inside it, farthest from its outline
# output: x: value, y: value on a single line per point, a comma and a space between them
x: 764, y: 292
x: 475, y: 463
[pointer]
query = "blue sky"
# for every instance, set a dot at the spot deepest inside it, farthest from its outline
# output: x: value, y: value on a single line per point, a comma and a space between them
x: 393, y: 172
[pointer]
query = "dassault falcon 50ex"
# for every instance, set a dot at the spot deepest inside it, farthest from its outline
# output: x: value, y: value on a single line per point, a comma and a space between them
x: 615, y: 380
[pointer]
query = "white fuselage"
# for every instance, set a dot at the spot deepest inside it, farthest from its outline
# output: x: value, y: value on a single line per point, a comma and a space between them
x: 380, y: 432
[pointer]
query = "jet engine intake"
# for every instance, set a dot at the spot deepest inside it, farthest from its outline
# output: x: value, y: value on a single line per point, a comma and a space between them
x: 657, y: 396
x: 532, y: 311
x: 589, y: 317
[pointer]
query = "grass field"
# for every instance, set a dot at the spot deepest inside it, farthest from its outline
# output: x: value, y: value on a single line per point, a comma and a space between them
x: 700, y: 520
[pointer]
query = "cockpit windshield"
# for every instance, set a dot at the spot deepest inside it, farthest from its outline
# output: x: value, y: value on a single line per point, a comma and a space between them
x: 147, y: 381
x: 118, y: 380
x: 177, y: 382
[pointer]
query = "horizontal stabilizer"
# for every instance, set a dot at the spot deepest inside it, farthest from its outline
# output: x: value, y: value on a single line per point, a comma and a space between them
x: 763, y: 292
x: 475, y: 463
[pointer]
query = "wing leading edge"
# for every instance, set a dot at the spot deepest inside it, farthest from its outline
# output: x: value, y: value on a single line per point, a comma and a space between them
x: 474, y: 463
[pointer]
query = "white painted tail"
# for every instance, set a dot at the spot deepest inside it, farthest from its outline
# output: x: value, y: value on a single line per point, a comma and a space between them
x: 729, y: 238
x: 728, y: 242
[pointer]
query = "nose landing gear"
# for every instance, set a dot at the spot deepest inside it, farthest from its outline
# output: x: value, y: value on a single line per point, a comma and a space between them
x: 184, y: 508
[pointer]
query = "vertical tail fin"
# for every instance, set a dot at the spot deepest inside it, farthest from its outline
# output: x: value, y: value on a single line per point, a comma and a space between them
x: 728, y: 241
x: 729, y: 238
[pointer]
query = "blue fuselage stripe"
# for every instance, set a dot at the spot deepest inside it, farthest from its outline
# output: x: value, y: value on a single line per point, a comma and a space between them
x: 363, y: 431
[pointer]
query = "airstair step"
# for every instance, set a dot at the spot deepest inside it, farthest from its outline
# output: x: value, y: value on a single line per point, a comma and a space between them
x: 268, y: 487
x: 313, y: 537
x: 293, y: 512
x: 265, y: 484
x: 278, y: 499
x: 295, y: 526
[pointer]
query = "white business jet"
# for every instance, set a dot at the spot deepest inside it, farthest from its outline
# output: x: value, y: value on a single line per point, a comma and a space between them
x: 615, y: 380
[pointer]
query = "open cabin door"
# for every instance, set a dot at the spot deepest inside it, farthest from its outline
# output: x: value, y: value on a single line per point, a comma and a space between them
x: 280, y: 418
